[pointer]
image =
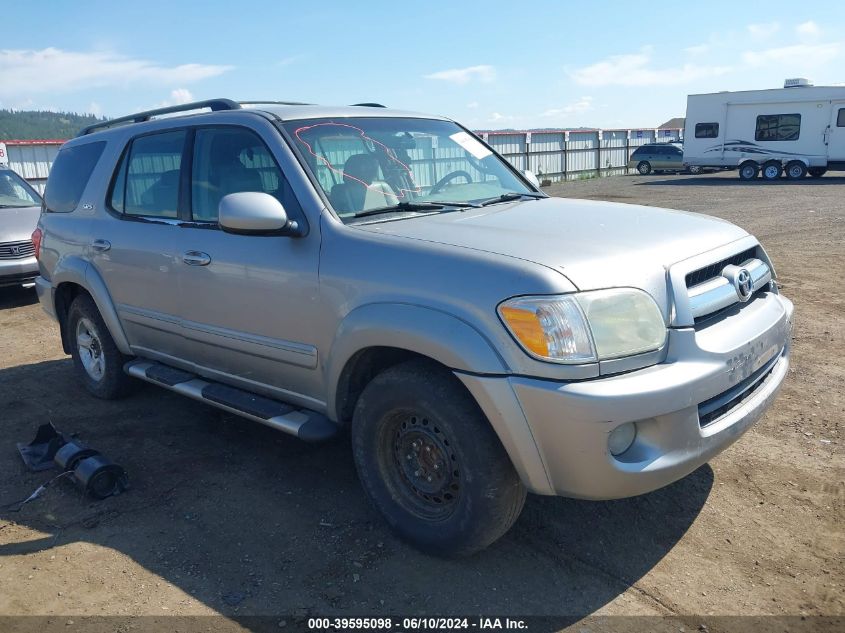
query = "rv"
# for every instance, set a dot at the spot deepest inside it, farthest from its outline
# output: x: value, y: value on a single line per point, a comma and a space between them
x: 794, y: 131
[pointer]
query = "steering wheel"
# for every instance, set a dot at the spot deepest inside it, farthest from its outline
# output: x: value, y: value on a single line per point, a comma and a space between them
x: 449, y: 178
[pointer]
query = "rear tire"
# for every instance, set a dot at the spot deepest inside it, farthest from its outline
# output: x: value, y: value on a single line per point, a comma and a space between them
x: 796, y: 170
x: 98, y: 362
x: 431, y: 464
x: 772, y: 170
x: 748, y: 170
x: 817, y: 172
x: 694, y: 169
x: 644, y: 167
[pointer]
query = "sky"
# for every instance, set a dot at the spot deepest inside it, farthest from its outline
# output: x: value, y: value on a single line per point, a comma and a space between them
x: 489, y: 65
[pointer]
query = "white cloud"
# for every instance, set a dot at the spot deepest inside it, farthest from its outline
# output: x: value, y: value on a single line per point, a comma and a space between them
x: 483, y: 73
x: 635, y: 70
x: 95, y: 109
x: 698, y: 50
x: 287, y: 61
x: 472, y: 105
x: 763, y: 31
x: 580, y: 106
x: 808, y: 30
x: 54, y: 70
x: 801, y: 55
x: 498, y: 117
x: 179, y: 96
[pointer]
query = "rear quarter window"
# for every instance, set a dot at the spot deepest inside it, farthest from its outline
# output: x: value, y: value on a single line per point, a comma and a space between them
x: 69, y: 176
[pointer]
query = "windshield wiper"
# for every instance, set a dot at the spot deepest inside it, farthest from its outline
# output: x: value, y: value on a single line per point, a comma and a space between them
x: 413, y: 206
x: 507, y: 197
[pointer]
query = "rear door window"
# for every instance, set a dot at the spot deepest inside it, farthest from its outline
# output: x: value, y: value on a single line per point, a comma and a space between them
x: 147, y: 181
x: 69, y: 176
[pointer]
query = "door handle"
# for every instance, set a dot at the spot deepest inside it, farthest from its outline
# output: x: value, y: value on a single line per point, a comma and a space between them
x: 196, y: 258
x: 101, y: 246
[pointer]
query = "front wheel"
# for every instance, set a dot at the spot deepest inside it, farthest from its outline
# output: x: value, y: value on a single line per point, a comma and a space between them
x: 748, y: 171
x: 644, y: 167
x: 430, y: 462
x: 97, y: 361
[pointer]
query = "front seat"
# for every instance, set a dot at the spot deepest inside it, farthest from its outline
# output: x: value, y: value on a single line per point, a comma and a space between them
x: 359, y: 180
x: 228, y: 173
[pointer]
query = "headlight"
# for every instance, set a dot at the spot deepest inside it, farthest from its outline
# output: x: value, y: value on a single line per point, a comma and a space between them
x: 585, y: 326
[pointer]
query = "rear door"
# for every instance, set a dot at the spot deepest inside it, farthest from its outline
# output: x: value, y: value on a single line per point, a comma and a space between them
x: 836, y: 134
x: 247, y: 300
x: 135, y: 247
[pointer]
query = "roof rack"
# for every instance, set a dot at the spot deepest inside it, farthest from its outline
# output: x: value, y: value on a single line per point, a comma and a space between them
x: 262, y: 102
x: 369, y: 105
x: 214, y: 104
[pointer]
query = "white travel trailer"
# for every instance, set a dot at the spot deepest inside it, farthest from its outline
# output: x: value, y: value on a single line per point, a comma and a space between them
x: 794, y: 130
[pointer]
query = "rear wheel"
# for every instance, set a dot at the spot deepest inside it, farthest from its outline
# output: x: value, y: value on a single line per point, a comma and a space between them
x: 748, y: 170
x: 772, y: 170
x: 796, y: 170
x: 98, y: 362
x: 430, y: 462
x: 644, y: 167
x: 694, y: 169
x: 817, y: 172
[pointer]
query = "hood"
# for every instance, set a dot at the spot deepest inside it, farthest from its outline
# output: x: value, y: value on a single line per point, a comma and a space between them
x: 17, y: 224
x: 595, y: 244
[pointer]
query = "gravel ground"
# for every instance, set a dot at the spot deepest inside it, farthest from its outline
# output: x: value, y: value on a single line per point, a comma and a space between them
x: 225, y: 516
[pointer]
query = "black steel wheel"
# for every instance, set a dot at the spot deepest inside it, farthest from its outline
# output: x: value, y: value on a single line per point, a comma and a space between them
x: 431, y: 464
x: 817, y: 172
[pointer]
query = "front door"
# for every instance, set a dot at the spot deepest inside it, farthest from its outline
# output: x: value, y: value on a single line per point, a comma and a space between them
x: 247, y: 300
x: 836, y: 134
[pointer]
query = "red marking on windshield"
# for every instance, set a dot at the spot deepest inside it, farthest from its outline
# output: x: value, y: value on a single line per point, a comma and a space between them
x: 387, y: 151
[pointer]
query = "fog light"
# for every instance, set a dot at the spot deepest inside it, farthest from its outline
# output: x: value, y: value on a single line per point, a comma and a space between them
x: 621, y: 438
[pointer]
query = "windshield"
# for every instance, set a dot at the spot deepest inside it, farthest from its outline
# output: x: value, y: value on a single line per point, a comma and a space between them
x: 16, y: 192
x: 367, y: 164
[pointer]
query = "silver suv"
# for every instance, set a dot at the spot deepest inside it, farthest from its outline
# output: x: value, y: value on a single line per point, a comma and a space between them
x: 383, y: 273
x: 20, y: 206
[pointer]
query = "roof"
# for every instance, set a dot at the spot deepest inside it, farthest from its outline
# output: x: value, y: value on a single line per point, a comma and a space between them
x: 308, y: 111
x: 673, y: 124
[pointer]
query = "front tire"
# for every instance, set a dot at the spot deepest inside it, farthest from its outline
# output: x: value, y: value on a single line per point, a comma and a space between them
x: 772, y: 170
x: 644, y: 167
x: 430, y: 462
x: 748, y: 170
x: 98, y: 362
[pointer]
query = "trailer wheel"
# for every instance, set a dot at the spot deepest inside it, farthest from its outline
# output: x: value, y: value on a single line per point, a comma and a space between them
x: 748, y: 170
x: 644, y: 167
x: 694, y: 169
x: 772, y: 170
x: 796, y: 170
x: 817, y: 172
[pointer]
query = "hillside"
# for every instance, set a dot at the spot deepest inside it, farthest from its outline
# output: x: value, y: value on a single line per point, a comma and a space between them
x: 31, y: 124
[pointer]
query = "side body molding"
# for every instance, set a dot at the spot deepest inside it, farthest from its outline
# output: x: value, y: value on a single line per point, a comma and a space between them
x: 427, y: 331
x: 76, y: 270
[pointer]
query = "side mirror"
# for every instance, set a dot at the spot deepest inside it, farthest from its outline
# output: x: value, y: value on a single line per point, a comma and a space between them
x: 253, y: 212
x: 531, y: 177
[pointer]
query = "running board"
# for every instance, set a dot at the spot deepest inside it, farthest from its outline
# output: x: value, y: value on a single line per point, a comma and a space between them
x: 309, y: 426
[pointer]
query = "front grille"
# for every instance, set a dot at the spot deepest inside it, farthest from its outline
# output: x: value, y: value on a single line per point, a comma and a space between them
x: 711, y: 410
x: 16, y: 250
x: 714, y: 270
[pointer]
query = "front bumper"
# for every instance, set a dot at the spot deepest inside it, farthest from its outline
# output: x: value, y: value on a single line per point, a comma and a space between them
x: 14, y: 272
x: 569, y: 423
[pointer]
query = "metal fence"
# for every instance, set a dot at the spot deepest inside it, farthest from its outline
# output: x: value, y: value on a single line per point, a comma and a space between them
x: 554, y: 155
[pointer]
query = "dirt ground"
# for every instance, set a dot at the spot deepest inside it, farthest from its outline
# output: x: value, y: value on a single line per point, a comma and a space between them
x: 228, y: 517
